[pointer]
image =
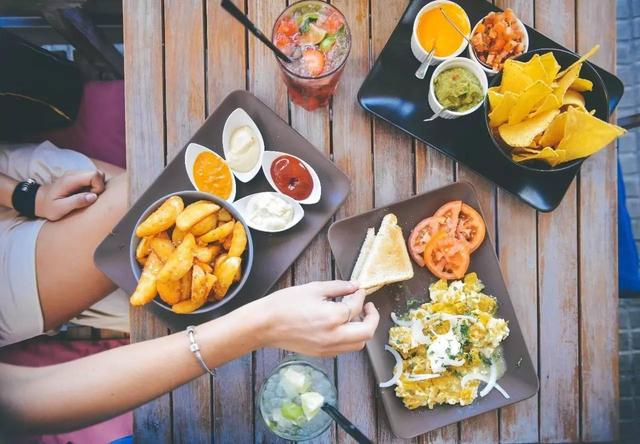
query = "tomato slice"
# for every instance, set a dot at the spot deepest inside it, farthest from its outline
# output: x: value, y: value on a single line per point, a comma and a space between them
x: 446, y: 257
x: 470, y: 228
x: 421, y: 234
x: 451, y: 212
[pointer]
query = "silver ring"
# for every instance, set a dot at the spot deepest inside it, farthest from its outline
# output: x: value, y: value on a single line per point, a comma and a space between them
x: 348, y: 312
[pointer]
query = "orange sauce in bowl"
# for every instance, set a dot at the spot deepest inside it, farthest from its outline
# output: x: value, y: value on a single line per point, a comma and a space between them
x: 212, y: 175
x: 433, y: 24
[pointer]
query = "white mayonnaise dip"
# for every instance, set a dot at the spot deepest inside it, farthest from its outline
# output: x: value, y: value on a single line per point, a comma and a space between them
x: 244, y: 151
x: 269, y: 212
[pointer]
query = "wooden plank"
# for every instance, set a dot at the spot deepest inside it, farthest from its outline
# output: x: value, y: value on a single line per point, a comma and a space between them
x: 393, y: 158
x: 596, y: 23
x: 144, y: 110
x: 266, y: 84
x: 352, y: 153
x: 185, y: 102
x: 557, y: 281
x: 516, y: 225
x: 226, y: 72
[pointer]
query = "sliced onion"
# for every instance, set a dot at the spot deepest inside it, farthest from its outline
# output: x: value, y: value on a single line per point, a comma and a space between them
x: 487, y: 380
x: 397, y: 369
x: 453, y: 362
x: 399, y: 322
x: 422, y: 377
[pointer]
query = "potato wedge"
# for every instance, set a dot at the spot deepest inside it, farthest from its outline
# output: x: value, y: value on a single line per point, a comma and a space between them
x: 143, y: 249
x: 226, y: 272
x: 177, y: 236
x: 188, y: 306
x: 198, y: 284
x: 203, y: 254
x: 218, y: 262
x: 206, y: 267
x: 224, y: 215
x: 206, y: 224
x: 238, y: 240
x: 185, y: 286
x: 162, y: 247
x: 218, y: 233
x: 163, y: 235
x: 180, y: 260
x: 226, y: 242
x: 162, y: 218
x: 194, y: 213
x: 169, y: 291
x: 146, y: 288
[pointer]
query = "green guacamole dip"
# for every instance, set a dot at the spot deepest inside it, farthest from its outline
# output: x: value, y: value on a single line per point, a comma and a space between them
x: 458, y: 89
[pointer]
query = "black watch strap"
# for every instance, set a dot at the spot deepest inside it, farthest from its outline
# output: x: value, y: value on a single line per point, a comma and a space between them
x: 24, y: 198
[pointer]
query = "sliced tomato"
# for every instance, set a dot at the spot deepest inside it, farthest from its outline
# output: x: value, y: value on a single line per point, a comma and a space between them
x: 471, y: 228
x: 450, y: 211
x: 421, y: 234
x: 446, y: 257
x: 314, y: 61
x: 333, y: 23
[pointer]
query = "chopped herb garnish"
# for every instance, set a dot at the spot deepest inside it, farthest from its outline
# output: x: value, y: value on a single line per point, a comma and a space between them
x: 487, y: 361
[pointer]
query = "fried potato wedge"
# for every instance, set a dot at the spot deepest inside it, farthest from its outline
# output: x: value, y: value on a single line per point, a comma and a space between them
x: 143, y: 249
x: 170, y: 291
x: 206, y: 267
x: 238, y: 240
x: 203, y: 254
x: 205, y: 225
x: 218, y: 233
x: 224, y: 215
x: 185, y: 286
x: 194, y: 213
x: 162, y: 218
x: 162, y: 247
x: 180, y: 260
x: 225, y: 274
x: 177, y: 236
x: 146, y: 288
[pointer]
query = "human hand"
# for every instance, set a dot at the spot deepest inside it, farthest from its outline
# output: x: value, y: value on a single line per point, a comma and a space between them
x: 67, y: 193
x: 306, y: 319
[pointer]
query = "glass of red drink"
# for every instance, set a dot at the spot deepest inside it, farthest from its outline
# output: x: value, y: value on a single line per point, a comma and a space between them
x: 316, y: 36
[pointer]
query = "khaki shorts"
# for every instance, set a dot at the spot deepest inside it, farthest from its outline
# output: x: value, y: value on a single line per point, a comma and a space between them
x: 20, y: 311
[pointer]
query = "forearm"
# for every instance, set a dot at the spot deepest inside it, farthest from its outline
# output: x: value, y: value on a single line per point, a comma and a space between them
x: 89, y: 390
x: 7, y: 185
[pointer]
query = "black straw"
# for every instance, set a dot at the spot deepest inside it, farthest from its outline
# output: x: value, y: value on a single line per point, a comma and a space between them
x: 239, y: 15
x: 345, y: 424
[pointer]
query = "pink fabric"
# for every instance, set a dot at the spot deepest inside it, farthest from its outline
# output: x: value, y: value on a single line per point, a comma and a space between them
x: 44, y: 351
x: 98, y: 131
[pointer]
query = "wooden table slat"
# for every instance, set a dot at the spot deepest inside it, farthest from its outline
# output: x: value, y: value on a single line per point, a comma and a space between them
x: 598, y: 250
x: 144, y: 110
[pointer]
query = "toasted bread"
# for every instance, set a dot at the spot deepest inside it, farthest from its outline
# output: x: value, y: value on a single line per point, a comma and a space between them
x: 387, y: 261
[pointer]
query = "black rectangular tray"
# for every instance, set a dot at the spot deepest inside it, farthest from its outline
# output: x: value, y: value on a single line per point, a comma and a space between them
x: 393, y: 93
x: 273, y: 252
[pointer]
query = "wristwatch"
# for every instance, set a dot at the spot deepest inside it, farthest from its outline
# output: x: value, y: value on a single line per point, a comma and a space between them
x: 23, y: 198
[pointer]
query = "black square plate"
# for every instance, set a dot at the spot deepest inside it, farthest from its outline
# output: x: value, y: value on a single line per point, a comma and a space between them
x: 393, y: 93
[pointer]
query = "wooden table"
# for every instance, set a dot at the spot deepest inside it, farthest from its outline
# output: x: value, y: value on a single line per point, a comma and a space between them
x: 182, y: 57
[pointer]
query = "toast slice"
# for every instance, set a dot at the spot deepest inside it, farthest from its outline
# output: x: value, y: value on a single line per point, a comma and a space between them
x: 388, y: 260
x: 362, y: 257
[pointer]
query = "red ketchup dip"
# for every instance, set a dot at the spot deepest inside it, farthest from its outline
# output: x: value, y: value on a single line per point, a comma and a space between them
x: 292, y: 177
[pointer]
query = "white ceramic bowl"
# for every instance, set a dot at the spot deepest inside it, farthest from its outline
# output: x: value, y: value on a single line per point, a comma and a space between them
x: 190, y: 155
x: 316, y: 193
x: 239, y: 118
x: 418, y: 51
x: 472, y: 53
x: 462, y: 62
x: 298, y: 212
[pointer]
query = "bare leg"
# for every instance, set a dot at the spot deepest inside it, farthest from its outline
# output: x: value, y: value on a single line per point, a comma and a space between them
x: 68, y: 280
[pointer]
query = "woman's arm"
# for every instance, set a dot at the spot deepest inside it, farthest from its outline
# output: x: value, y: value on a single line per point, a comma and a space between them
x: 7, y: 185
x: 77, y: 393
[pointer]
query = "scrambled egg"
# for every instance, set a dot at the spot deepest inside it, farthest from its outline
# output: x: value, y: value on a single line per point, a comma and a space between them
x: 454, y: 335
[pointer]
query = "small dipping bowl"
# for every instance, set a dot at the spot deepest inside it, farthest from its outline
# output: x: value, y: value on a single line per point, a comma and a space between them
x: 421, y: 53
x: 190, y: 155
x: 189, y: 197
x: 485, y: 68
x: 470, y: 65
x: 242, y: 206
x: 237, y: 119
x: 316, y: 193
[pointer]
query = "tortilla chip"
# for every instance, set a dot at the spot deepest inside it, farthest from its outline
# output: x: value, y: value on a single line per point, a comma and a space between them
x: 582, y: 59
x: 585, y: 134
x: 555, y: 131
x: 494, y: 98
x: 581, y: 85
x: 500, y: 113
x: 565, y: 81
x: 550, y: 102
x: 535, y: 69
x: 531, y: 96
x: 573, y: 98
x: 522, y: 134
x: 547, y: 154
x: 551, y: 66
x: 514, y: 79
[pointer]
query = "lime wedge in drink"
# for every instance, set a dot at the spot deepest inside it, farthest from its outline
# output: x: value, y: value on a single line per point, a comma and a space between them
x: 311, y: 403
